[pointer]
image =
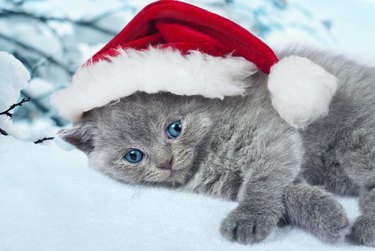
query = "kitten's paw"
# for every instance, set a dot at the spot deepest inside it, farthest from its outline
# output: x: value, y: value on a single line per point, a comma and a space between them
x: 245, y: 227
x: 315, y: 211
x: 332, y: 221
x: 363, y: 230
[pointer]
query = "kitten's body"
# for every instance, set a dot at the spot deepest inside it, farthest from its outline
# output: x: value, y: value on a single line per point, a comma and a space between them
x: 340, y: 148
x: 243, y: 130
x: 240, y: 149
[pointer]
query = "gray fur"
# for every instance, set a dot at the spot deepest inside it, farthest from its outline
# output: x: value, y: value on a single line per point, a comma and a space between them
x: 314, y: 210
x: 340, y: 148
x: 240, y: 149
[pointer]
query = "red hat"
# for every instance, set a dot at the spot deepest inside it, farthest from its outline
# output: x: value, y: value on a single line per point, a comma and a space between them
x: 180, y: 48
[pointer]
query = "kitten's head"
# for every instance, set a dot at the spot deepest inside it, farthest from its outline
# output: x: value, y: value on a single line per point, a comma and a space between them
x: 145, y: 138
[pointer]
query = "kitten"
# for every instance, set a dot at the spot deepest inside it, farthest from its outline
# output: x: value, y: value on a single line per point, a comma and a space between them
x: 240, y: 149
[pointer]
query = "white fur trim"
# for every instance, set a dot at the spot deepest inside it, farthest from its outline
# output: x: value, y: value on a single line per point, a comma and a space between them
x: 301, y: 90
x: 151, y: 71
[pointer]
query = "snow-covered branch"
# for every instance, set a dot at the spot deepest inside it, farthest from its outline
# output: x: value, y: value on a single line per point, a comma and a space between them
x: 47, y: 57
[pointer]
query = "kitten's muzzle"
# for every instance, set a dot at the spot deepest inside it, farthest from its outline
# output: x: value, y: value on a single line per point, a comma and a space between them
x: 167, y: 165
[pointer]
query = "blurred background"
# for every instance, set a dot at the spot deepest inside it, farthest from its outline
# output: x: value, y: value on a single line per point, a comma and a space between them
x: 53, y: 37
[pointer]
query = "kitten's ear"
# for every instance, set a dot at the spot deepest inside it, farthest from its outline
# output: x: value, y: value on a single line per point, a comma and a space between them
x: 81, y: 136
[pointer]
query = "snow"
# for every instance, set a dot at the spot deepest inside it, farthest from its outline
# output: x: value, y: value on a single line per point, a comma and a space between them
x: 51, y: 200
x: 14, y: 77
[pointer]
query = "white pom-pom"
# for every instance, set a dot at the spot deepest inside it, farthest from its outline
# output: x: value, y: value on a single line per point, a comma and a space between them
x: 301, y: 90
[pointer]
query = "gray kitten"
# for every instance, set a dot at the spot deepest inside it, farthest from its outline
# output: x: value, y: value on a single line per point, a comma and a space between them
x: 240, y: 149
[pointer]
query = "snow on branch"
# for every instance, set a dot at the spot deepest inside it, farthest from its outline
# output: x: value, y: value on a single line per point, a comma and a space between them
x: 47, y: 57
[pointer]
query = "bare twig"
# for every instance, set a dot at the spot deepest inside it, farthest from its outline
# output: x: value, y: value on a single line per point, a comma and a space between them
x: 44, y: 109
x: 2, y: 132
x: 39, y: 141
x: 7, y: 112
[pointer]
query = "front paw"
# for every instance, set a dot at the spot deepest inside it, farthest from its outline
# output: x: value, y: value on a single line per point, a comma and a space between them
x: 245, y: 225
x: 329, y: 218
x: 363, y: 230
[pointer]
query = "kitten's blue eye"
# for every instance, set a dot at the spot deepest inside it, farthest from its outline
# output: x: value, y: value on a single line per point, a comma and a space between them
x: 134, y: 156
x: 174, y: 129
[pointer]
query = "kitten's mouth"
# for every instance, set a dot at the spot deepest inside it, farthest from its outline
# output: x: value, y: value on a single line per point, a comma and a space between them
x: 175, y: 173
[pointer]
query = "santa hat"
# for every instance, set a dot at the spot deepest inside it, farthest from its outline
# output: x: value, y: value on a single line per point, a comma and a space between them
x: 180, y: 48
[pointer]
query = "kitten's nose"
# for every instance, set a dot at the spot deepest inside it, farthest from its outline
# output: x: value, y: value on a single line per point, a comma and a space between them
x: 167, y: 165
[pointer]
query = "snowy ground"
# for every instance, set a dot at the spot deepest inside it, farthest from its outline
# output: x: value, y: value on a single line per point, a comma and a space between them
x: 51, y: 200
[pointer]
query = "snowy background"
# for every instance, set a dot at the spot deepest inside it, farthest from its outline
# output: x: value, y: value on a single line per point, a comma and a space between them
x: 51, y: 200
